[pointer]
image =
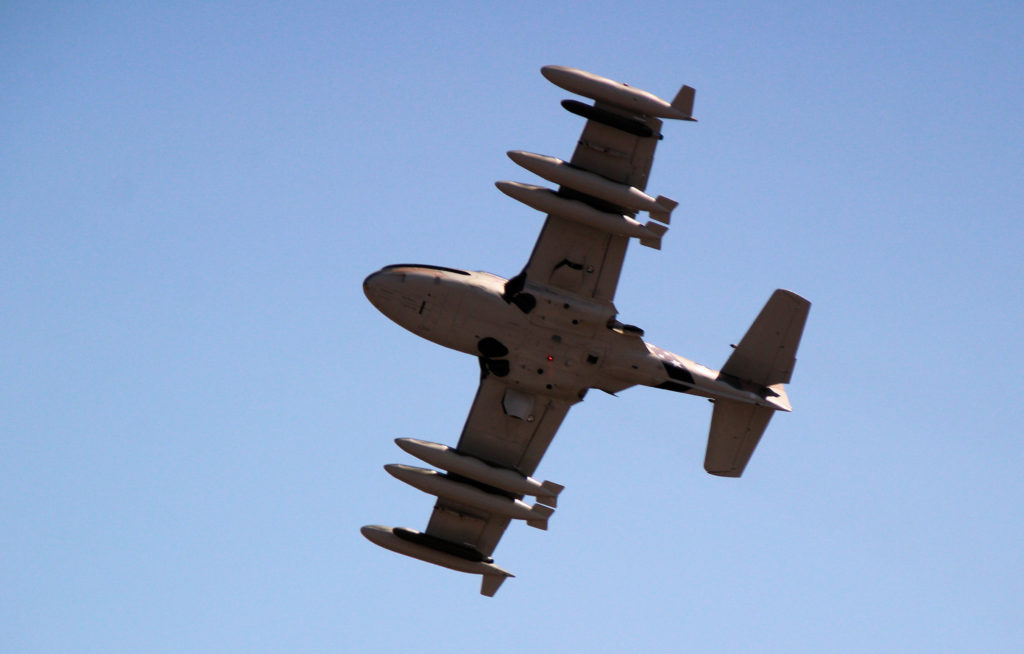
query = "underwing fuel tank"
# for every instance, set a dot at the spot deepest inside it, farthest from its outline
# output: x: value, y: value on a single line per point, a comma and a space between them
x: 563, y: 173
x: 547, y: 201
x: 434, y: 550
x: 434, y: 483
x: 511, y: 481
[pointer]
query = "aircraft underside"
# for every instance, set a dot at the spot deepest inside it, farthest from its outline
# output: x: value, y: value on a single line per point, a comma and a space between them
x: 549, y: 334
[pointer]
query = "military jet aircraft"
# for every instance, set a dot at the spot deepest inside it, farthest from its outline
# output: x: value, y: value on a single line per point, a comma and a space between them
x: 549, y: 334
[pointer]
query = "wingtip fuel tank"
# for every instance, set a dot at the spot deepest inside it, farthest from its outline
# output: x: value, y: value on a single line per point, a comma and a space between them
x: 434, y: 550
x: 620, y: 95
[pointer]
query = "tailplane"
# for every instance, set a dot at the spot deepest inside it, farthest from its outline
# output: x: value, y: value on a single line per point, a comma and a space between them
x: 767, y: 353
x: 736, y: 428
x: 765, y: 357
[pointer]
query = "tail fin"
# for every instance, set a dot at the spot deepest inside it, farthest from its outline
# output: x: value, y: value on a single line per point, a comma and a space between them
x: 767, y: 353
x: 657, y: 230
x: 684, y: 102
x: 544, y: 512
x: 736, y: 428
x: 552, y: 489
x: 664, y: 216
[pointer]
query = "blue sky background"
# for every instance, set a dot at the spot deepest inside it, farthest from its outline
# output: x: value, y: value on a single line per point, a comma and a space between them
x: 196, y: 399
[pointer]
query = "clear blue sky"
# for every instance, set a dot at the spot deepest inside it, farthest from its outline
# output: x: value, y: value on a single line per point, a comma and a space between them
x: 196, y: 399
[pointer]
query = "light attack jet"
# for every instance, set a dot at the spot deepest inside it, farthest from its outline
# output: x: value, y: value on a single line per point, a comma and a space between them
x: 549, y: 334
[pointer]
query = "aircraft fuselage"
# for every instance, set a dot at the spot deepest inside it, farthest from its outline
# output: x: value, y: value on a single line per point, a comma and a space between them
x: 556, y: 345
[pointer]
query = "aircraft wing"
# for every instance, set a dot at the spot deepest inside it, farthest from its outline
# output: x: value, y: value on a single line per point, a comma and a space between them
x: 577, y: 258
x: 507, y: 428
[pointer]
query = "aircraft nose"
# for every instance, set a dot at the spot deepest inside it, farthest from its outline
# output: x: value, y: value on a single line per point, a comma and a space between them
x: 376, y: 286
x: 385, y: 290
x: 371, y: 284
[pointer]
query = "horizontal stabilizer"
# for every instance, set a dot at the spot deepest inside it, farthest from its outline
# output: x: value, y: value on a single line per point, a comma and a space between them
x: 767, y: 353
x: 736, y: 428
